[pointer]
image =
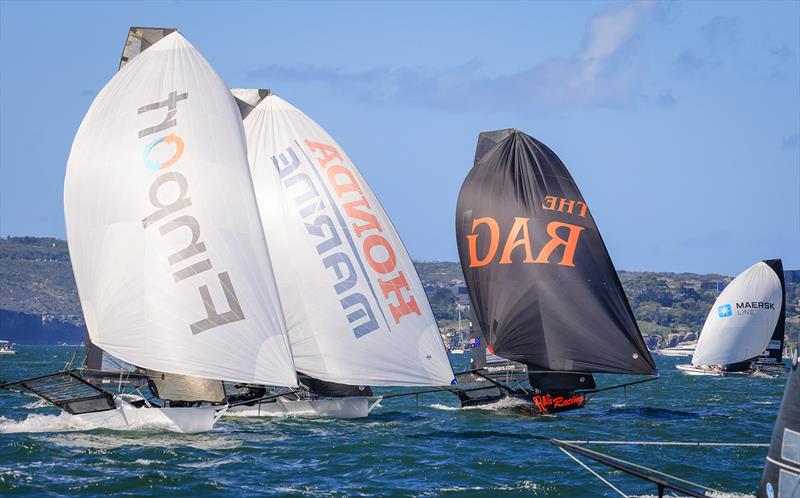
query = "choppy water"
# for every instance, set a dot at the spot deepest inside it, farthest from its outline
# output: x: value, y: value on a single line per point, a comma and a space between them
x: 433, y: 449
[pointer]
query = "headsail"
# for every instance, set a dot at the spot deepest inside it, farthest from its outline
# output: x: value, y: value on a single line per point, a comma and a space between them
x: 544, y: 289
x: 354, y: 305
x: 781, y: 475
x: 744, y: 318
x: 167, y: 247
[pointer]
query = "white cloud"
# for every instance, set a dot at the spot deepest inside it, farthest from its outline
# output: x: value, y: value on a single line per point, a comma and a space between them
x: 603, y: 72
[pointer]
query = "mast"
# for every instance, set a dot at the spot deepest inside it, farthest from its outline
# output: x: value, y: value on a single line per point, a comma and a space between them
x: 169, y: 257
x: 543, y: 287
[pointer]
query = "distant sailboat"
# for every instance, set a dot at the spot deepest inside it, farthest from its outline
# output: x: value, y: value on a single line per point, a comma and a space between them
x: 744, y: 331
x: 356, y: 311
x: 682, y: 349
x: 169, y: 257
x: 545, y: 293
x: 6, y: 347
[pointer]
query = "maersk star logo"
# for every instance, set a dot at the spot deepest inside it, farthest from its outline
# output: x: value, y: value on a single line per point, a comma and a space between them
x: 724, y: 310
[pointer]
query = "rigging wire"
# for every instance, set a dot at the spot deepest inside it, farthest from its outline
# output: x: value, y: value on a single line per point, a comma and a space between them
x: 669, y: 443
x: 651, y: 470
x: 593, y: 472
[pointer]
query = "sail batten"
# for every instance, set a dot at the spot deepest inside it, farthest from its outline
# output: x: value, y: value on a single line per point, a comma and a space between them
x: 355, y: 309
x: 544, y: 290
x: 170, y: 260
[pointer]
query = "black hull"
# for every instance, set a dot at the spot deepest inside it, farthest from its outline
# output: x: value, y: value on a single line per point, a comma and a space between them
x: 534, y: 404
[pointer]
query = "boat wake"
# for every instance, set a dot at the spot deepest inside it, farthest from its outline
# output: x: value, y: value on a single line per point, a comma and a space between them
x: 64, y: 422
x: 501, y: 405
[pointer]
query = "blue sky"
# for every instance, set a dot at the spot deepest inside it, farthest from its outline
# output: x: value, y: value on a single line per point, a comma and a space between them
x: 679, y: 121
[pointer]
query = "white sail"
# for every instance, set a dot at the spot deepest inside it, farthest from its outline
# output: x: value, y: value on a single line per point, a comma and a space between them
x: 355, y: 308
x: 743, y: 318
x: 164, y: 234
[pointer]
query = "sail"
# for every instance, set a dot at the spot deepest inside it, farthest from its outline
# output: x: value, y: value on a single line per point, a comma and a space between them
x: 743, y: 319
x: 164, y: 234
x: 781, y: 477
x: 543, y: 286
x: 477, y: 353
x: 774, y: 351
x: 353, y: 302
x: 248, y: 98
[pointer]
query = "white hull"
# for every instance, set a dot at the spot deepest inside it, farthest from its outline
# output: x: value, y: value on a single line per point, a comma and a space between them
x: 8, y: 352
x: 762, y: 371
x: 188, y: 420
x: 342, y: 408
x: 693, y: 370
x: 675, y: 353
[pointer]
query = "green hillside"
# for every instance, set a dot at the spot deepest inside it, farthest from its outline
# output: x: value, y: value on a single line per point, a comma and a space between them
x: 36, y: 278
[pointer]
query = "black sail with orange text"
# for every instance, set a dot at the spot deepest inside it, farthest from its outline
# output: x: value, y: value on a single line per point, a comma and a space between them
x: 543, y: 287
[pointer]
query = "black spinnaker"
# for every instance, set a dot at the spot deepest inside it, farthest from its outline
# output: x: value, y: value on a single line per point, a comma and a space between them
x: 543, y: 287
x: 774, y: 352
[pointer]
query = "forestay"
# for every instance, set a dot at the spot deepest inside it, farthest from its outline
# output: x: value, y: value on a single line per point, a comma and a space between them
x: 166, y: 243
x: 353, y: 303
x: 743, y: 318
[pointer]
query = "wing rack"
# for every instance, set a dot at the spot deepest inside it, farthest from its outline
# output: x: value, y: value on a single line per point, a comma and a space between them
x: 67, y: 391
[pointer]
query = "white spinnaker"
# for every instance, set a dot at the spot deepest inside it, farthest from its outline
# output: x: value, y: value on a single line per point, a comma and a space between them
x: 332, y: 245
x: 737, y: 328
x: 164, y: 230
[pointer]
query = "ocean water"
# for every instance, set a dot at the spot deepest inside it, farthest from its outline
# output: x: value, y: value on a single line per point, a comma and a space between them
x: 402, y: 449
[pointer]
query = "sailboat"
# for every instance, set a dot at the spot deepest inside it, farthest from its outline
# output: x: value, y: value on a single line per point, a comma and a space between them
x: 356, y: 311
x: 7, y: 347
x: 546, y: 296
x: 169, y: 255
x: 744, y: 332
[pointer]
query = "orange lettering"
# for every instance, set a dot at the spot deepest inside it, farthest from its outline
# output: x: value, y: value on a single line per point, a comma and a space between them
x: 549, y: 202
x: 555, y: 240
x: 349, y: 181
x: 520, y: 225
x: 494, y: 241
x: 383, y: 267
x: 395, y: 286
x: 328, y: 153
x: 565, y: 203
x: 371, y: 221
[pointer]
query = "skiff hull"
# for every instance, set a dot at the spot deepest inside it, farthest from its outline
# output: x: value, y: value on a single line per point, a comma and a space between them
x: 700, y: 371
x: 187, y: 420
x: 543, y: 404
x: 340, y: 408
